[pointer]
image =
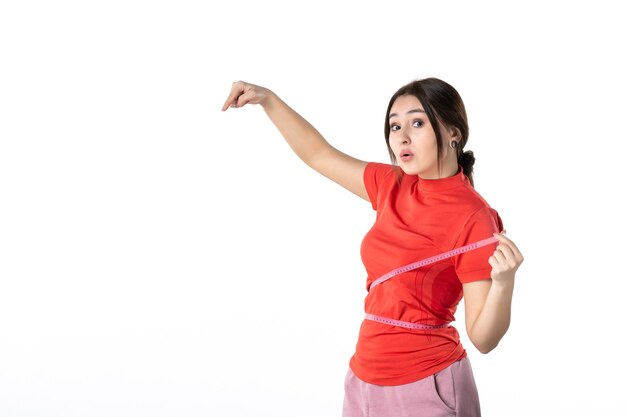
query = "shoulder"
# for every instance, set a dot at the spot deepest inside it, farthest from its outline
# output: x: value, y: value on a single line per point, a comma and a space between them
x: 378, y: 179
x: 474, y: 200
x: 475, y: 213
x: 377, y: 174
x: 379, y: 168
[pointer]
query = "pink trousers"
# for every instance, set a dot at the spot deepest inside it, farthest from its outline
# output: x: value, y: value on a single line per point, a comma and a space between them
x: 450, y: 392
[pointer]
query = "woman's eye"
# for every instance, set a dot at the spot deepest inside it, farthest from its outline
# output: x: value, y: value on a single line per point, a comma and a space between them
x: 416, y: 123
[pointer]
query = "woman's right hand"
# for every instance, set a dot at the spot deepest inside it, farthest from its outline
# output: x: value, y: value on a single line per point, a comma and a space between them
x: 243, y: 93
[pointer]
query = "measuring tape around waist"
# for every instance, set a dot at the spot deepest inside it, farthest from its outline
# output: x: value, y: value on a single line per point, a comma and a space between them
x: 416, y: 265
x: 406, y: 324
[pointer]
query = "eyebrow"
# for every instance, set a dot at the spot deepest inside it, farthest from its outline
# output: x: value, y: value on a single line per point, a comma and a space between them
x: 409, y: 112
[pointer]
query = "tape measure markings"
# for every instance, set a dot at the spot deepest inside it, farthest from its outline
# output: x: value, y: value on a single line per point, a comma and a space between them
x: 434, y: 259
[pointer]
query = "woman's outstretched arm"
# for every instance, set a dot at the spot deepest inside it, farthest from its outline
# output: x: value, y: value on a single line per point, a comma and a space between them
x: 302, y: 137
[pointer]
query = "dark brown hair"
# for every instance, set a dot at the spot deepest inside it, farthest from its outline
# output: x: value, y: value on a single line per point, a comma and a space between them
x: 441, y: 103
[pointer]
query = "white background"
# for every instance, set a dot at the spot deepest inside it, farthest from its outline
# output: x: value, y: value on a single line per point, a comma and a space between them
x: 159, y: 257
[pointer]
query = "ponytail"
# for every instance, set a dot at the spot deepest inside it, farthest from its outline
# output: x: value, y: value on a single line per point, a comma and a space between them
x: 466, y: 160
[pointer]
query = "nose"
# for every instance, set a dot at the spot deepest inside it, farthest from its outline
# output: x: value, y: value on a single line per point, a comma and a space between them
x: 405, y: 139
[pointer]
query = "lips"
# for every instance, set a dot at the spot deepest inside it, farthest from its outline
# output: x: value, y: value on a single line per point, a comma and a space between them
x: 405, y: 154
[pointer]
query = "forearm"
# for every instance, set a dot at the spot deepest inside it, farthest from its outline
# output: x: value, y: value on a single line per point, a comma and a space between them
x: 301, y: 136
x: 493, y: 321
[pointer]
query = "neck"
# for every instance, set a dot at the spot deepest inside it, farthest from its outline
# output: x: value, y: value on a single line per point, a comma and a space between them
x: 449, y: 169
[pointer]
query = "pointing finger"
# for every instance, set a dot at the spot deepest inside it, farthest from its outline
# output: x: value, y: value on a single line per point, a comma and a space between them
x: 235, y: 92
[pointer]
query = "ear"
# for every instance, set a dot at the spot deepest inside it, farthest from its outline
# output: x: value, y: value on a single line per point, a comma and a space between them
x: 454, y: 133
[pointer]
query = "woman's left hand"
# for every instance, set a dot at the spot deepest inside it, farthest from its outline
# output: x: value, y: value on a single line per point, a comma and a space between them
x: 505, y: 260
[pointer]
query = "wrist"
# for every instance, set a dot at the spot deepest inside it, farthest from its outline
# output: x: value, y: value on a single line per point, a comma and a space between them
x: 505, y: 285
x: 269, y: 100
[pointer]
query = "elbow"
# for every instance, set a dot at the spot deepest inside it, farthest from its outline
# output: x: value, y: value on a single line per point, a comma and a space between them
x: 484, y: 350
x: 484, y: 347
x: 487, y: 343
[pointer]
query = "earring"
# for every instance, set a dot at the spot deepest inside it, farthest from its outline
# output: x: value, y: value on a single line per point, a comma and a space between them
x: 454, y: 144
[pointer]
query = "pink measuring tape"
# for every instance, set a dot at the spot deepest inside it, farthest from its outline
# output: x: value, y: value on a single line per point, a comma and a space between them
x: 416, y: 265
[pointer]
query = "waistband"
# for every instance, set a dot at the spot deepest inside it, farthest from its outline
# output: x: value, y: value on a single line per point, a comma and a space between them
x: 405, y: 324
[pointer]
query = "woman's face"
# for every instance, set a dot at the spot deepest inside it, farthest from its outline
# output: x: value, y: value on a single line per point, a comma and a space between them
x: 413, y: 141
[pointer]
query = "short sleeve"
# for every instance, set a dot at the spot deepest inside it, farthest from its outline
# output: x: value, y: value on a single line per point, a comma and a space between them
x: 374, y: 176
x: 474, y: 264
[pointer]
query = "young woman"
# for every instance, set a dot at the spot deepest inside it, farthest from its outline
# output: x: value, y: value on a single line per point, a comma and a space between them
x: 409, y: 361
